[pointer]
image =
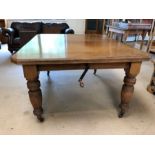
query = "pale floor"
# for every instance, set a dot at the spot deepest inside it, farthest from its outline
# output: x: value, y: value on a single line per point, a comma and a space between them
x: 70, y: 109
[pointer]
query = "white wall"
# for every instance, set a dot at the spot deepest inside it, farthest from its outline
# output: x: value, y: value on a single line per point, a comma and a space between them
x: 78, y: 25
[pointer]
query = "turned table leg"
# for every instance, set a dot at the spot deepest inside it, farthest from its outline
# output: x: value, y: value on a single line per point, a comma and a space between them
x: 31, y: 74
x: 128, y: 86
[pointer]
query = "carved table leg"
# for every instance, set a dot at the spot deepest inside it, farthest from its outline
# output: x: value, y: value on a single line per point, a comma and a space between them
x: 31, y: 74
x: 128, y: 86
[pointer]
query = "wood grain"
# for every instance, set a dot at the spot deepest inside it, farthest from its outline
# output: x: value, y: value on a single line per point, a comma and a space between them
x: 74, y: 49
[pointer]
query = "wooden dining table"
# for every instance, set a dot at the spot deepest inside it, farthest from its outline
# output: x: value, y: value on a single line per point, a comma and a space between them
x: 46, y: 52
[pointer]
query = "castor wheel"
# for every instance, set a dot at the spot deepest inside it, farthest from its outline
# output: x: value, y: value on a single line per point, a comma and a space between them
x: 38, y: 112
x: 81, y: 83
x: 40, y: 118
x: 121, y: 114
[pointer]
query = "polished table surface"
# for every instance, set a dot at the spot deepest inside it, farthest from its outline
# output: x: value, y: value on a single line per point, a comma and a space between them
x: 58, y: 52
x: 57, y: 49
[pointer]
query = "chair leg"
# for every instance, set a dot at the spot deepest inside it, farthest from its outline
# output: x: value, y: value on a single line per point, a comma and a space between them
x: 95, y: 70
x: 48, y: 73
x: 82, y: 76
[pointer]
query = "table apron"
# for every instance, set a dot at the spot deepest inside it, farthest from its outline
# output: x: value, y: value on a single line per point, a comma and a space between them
x: 81, y: 66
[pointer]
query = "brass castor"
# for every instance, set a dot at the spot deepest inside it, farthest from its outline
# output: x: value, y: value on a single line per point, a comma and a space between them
x: 122, y: 110
x: 38, y: 112
x: 40, y: 118
x: 121, y: 114
x: 81, y: 83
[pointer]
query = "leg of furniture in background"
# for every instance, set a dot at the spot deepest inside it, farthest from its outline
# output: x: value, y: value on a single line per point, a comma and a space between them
x: 95, y: 70
x: 124, y: 37
x: 149, y: 44
x: 151, y: 36
x: 31, y: 74
x: 142, y: 42
x: 151, y: 86
x: 136, y: 37
x: 128, y: 86
x: 3, y: 38
x: 48, y: 73
x: 110, y: 35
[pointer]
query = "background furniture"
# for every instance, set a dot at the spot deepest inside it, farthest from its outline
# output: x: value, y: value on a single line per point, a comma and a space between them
x: 151, y: 86
x: 96, y: 51
x: 151, y: 42
x: 0, y: 34
x: 20, y: 33
x: 3, y: 39
x: 94, y: 26
x: 126, y: 29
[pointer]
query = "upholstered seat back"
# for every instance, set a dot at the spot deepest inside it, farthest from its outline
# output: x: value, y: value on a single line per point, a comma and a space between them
x: 54, y: 27
x: 21, y: 32
x: 26, y: 27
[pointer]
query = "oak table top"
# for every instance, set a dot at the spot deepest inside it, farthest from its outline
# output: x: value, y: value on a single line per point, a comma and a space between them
x: 57, y: 49
x: 47, y: 52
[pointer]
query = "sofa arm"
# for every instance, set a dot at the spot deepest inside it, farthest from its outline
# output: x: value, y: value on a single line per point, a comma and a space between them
x: 8, y: 32
x: 69, y: 31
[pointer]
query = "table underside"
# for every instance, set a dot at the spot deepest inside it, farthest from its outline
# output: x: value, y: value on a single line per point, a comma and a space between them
x: 31, y: 73
x: 47, y: 67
